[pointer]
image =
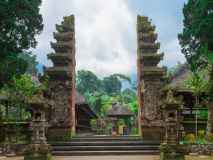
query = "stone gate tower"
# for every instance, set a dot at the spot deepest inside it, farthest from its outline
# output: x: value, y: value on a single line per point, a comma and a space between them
x: 62, y: 78
x: 149, y: 80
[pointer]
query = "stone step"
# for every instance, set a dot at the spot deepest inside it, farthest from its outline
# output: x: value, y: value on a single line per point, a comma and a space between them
x: 105, y: 139
x: 106, y: 143
x: 105, y: 136
x: 105, y: 148
x: 118, y: 152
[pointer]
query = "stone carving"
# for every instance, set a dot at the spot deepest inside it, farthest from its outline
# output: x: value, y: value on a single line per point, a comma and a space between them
x: 156, y: 123
x: 38, y: 129
x: 150, y: 103
x: 61, y: 104
x: 172, y: 109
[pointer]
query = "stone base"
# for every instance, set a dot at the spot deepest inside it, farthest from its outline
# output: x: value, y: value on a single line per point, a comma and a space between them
x: 59, y: 135
x: 152, y: 134
x: 38, y: 156
x: 38, y: 152
x: 172, y: 156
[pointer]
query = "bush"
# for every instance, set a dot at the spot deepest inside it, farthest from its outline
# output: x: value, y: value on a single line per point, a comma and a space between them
x: 181, y: 149
x: 165, y: 148
x: 29, y: 149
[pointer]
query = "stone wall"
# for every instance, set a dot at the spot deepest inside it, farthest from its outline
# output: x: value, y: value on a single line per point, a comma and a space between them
x: 16, y: 149
x: 200, y: 148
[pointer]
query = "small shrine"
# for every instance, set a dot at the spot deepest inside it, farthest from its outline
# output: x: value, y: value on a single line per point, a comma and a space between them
x: 119, y: 111
x: 39, y: 120
x: 172, y: 108
x: 38, y: 148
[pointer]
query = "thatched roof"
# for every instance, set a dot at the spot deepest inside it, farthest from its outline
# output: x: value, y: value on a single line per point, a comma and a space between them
x: 119, y: 110
x: 80, y: 101
x: 180, y: 75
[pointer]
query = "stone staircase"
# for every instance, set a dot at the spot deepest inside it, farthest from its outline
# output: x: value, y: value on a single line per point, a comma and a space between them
x: 105, y: 145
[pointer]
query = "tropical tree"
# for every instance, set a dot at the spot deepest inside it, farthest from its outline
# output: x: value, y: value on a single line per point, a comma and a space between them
x: 129, y: 96
x: 111, y: 85
x: 196, y: 82
x: 133, y: 107
x: 30, y: 58
x: 87, y: 81
x: 20, y: 21
x: 134, y: 86
x: 15, y: 96
x: 196, y: 41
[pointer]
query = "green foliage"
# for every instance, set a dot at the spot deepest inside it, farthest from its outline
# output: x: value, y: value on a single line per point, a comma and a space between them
x: 87, y: 81
x: 100, y: 93
x: 197, y: 33
x: 210, y: 137
x: 121, y: 76
x: 129, y: 96
x: 201, y: 133
x: 165, y: 148
x: 60, y: 29
x: 21, y: 90
x: 100, y: 104
x: 181, y: 149
x: 197, y: 40
x: 109, y: 128
x: 44, y: 149
x: 202, y: 114
x: 30, y: 58
x: 30, y: 149
x: 111, y: 85
x: 134, y: 129
x: 133, y: 107
x: 134, y: 86
x: 20, y: 21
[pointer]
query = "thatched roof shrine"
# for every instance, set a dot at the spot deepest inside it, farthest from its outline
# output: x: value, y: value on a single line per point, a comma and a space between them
x: 81, y: 102
x: 120, y: 111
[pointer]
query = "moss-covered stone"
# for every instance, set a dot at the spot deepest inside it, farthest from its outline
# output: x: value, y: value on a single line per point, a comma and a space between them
x: 38, y: 157
x: 172, y: 156
x: 64, y: 136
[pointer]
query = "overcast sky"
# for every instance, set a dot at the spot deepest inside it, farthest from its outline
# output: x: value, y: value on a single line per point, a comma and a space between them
x: 106, y: 32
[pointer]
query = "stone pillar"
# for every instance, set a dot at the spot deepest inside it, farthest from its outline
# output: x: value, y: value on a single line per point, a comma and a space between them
x: 62, y: 79
x: 149, y: 80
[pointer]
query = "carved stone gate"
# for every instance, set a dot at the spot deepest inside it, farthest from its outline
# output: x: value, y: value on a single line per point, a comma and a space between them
x: 149, y: 81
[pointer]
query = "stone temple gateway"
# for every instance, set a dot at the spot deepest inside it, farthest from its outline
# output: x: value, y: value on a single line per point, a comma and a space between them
x: 61, y: 87
x: 61, y: 115
x: 149, y: 81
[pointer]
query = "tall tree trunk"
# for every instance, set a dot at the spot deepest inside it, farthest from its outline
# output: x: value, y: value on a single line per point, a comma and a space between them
x: 210, y: 105
x: 196, y: 105
x: 2, y: 133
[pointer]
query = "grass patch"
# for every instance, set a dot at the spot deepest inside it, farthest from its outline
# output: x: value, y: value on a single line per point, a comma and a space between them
x: 19, y: 142
x: 134, y: 134
x: 198, y: 141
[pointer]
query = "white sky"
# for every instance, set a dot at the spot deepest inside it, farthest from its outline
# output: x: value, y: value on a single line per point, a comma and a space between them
x: 106, y: 32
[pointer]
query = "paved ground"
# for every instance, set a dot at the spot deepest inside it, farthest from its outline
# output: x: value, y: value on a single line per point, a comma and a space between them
x: 136, y: 157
